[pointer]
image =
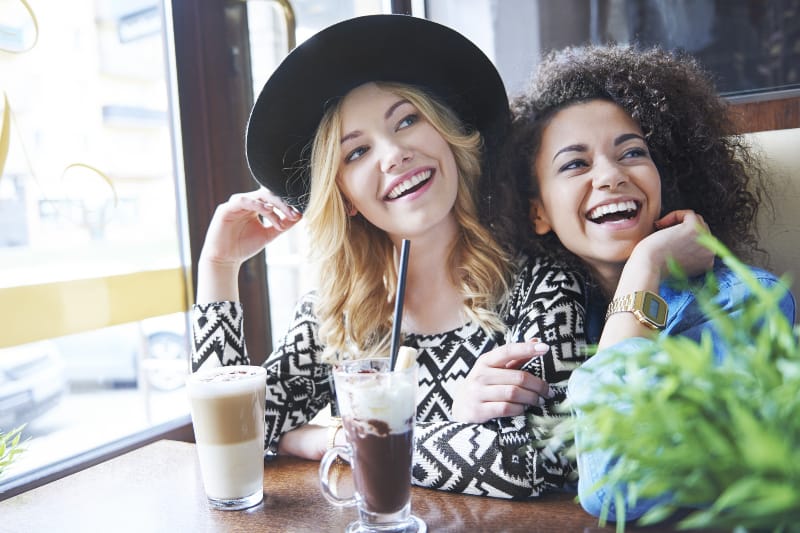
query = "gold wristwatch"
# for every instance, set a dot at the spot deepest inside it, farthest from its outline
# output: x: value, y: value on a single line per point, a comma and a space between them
x: 648, y: 308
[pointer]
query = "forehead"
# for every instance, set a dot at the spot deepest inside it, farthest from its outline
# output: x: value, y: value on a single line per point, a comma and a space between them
x: 587, y: 122
x: 364, y: 98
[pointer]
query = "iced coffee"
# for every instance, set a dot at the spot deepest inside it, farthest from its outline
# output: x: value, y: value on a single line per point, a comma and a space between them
x: 227, y: 406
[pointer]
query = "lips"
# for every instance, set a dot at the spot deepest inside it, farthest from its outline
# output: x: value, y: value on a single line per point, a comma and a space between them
x: 409, y: 185
x: 613, y: 212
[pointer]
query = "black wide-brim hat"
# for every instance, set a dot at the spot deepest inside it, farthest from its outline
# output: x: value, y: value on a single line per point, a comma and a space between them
x: 324, y: 68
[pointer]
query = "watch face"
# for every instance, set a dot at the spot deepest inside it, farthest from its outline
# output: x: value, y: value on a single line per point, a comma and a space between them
x: 654, y: 309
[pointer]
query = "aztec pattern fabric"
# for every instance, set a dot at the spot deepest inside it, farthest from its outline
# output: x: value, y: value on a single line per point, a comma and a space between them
x: 496, y: 458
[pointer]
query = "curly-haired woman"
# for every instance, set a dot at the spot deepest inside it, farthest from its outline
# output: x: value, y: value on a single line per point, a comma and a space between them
x: 626, y: 155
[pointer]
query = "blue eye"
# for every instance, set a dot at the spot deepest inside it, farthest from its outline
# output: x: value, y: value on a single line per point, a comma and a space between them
x: 407, y: 121
x: 355, y: 154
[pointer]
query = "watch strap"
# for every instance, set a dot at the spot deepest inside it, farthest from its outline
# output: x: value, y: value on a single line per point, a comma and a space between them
x: 648, y: 307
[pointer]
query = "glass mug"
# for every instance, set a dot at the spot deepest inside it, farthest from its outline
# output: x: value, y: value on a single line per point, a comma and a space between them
x: 227, y: 405
x: 378, y: 408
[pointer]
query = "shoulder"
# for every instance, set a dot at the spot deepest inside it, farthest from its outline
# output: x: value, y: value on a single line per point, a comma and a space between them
x: 545, y: 275
x: 732, y: 290
x: 731, y: 284
x: 542, y: 281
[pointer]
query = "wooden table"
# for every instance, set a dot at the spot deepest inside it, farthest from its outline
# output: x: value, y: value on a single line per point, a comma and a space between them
x: 158, y: 488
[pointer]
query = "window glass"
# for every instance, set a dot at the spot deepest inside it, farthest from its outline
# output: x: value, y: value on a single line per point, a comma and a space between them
x: 750, y: 47
x: 93, y: 344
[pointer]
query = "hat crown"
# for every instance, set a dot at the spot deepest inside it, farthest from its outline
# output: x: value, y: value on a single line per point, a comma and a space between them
x: 389, y: 48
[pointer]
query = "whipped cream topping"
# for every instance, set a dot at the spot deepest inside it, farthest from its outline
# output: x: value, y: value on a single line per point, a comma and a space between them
x: 378, y: 397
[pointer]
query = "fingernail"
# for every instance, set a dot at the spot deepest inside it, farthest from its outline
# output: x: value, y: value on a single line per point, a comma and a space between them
x: 541, y: 347
x: 551, y: 393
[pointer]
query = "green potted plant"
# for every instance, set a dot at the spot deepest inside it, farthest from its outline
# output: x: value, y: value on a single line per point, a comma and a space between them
x: 722, y: 438
x: 10, y: 447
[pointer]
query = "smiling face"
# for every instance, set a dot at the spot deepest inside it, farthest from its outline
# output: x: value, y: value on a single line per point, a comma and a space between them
x: 600, y: 191
x: 396, y: 170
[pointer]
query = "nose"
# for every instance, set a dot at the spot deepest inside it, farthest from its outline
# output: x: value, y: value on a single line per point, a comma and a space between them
x: 394, y: 155
x: 608, y: 175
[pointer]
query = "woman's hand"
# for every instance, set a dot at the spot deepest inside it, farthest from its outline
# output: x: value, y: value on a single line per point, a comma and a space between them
x: 239, y: 229
x: 236, y: 232
x: 676, y: 238
x: 495, y: 387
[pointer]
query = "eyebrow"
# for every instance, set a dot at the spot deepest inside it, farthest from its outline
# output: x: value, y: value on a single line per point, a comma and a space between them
x: 582, y: 147
x: 385, y: 116
x: 394, y: 106
x: 627, y: 137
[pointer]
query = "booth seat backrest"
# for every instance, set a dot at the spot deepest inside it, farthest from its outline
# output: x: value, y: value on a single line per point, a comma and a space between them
x: 780, y: 236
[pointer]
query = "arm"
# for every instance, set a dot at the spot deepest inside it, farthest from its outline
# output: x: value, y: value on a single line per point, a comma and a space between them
x: 500, y: 457
x: 235, y: 234
x: 676, y: 238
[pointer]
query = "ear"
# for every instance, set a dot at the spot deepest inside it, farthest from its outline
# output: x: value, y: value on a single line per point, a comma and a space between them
x: 350, y: 209
x: 538, y: 216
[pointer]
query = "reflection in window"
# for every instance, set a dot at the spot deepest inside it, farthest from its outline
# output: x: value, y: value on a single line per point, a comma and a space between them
x: 750, y: 46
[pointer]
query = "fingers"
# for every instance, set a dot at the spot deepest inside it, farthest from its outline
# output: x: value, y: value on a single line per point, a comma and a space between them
x: 673, y: 218
x: 271, y: 210
x: 495, y: 387
x: 512, y: 354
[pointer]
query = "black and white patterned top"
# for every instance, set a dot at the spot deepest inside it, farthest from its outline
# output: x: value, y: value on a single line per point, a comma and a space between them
x: 492, y: 459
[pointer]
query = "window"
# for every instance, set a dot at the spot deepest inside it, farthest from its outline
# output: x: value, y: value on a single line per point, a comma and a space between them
x: 751, y: 47
x: 93, y: 291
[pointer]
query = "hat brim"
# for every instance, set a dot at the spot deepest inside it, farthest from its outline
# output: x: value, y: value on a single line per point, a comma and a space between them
x: 324, y: 68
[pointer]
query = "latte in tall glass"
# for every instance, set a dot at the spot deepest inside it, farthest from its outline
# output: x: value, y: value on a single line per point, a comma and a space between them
x: 227, y: 406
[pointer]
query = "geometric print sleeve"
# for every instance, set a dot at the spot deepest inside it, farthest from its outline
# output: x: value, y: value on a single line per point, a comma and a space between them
x: 499, y: 458
x: 218, y: 335
x: 298, y: 385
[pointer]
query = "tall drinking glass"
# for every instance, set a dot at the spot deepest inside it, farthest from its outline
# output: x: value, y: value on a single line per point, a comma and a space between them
x: 378, y: 408
x: 227, y: 405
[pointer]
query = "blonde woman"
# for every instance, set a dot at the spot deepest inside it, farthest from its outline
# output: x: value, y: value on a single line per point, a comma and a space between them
x: 377, y: 137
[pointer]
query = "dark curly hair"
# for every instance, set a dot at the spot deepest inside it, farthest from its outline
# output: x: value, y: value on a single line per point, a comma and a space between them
x: 687, y: 126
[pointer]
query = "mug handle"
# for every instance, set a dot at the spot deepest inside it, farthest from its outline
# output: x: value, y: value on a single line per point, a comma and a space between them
x: 324, y: 475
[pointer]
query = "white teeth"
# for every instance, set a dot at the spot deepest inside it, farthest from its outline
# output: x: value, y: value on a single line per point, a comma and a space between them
x: 598, y: 212
x: 415, y: 180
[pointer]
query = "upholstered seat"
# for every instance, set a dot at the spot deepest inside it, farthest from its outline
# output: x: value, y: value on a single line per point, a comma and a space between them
x: 780, y: 236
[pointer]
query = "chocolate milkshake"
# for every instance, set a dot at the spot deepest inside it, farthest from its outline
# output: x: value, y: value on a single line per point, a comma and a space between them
x: 378, y: 409
x: 383, y: 473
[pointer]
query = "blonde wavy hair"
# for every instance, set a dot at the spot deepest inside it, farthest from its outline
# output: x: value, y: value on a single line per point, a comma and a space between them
x: 358, y: 264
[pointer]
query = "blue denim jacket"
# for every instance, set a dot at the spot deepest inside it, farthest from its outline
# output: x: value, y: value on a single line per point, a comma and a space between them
x: 685, y: 318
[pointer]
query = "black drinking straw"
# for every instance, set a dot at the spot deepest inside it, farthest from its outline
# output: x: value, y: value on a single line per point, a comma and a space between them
x: 398, y: 301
